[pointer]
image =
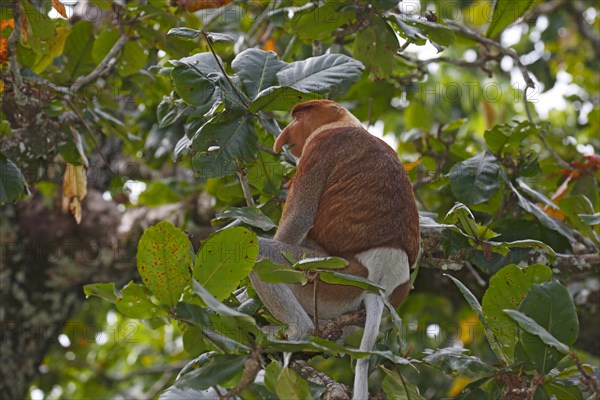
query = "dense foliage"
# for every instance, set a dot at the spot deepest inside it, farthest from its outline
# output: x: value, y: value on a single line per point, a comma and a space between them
x: 154, y: 105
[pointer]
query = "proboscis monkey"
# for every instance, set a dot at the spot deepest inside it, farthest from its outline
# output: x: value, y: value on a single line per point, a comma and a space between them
x: 350, y: 198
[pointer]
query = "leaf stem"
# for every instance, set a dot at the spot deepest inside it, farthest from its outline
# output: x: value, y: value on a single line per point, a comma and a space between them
x: 239, y: 94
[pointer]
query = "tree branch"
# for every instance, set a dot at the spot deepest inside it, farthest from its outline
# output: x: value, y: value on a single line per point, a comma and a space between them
x: 335, y: 390
x: 15, y: 68
x: 103, y: 68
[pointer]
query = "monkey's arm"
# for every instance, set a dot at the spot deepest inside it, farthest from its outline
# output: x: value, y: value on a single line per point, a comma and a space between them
x: 303, y: 199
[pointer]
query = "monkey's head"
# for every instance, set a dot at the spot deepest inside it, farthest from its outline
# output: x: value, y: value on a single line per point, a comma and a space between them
x: 310, y: 118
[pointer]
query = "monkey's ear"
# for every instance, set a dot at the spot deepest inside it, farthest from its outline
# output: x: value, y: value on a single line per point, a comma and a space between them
x: 280, y: 141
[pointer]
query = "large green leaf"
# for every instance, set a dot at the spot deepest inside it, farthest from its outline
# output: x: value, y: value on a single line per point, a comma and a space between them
x: 452, y: 360
x: 195, y: 79
x: 329, y: 73
x: 276, y: 98
x: 574, y: 207
x: 544, y: 218
x: 530, y: 326
x: 135, y: 302
x: 224, y: 259
x: 41, y: 29
x: 164, y: 261
x: 506, y: 138
x: 477, y: 179
x: 224, y: 144
x: 248, y: 215
x: 268, y: 271
x: 218, y: 370
x: 505, y: 13
x: 291, y: 386
x: 507, y: 289
x: 105, y: 291
x: 376, y: 48
x: 397, y: 387
x: 475, y: 306
x: 78, y: 50
x: 257, y: 69
x: 550, y: 305
x: 12, y: 183
x: 318, y: 23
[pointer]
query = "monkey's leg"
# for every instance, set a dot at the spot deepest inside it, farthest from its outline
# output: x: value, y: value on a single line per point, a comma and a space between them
x: 279, y: 298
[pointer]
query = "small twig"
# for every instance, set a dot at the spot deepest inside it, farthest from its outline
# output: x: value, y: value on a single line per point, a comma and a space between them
x: 480, y: 281
x: 90, y: 133
x: 335, y: 390
x: 251, y: 369
x: 589, y: 381
x: 316, y: 306
x: 103, y: 68
x: 242, y: 174
x: 553, y: 153
x: 13, y: 40
x: 239, y: 94
x: 317, y: 49
x: 266, y: 149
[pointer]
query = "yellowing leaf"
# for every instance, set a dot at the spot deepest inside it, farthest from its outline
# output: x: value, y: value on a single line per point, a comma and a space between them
x: 458, y: 384
x: 270, y: 45
x: 74, y: 189
x: 56, y: 49
x: 60, y: 8
x: 411, y: 165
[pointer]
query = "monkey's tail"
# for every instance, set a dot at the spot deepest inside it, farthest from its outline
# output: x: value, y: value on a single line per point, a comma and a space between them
x: 374, y: 310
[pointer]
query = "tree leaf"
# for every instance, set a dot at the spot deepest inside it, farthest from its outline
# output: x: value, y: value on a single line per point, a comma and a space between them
x: 12, y: 183
x: 291, y: 386
x: 338, y: 278
x: 276, y: 98
x: 505, y: 13
x: 475, y: 306
x: 218, y: 370
x: 563, y: 392
x: 164, y: 261
x: 184, y: 33
x: 224, y: 259
x: 171, y: 110
x: 312, y: 264
x: 195, y: 78
x: 544, y: 218
x: 461, y: 213
x: 508, y: 287
x: 376, y: 47
x: 224, y: 144
x: 319, y: 23
x: 105, y: 291
x: 78, y: 50
x: 257, y: 69
x: 506, y: 138
x: 477, y: 179
x: 270, y: 272
x: 248, y: 215
x: 329, y: 73
x: 451, y: 360
x: 551, y: 308
x: 397, y: 387
x: 135, y: 302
